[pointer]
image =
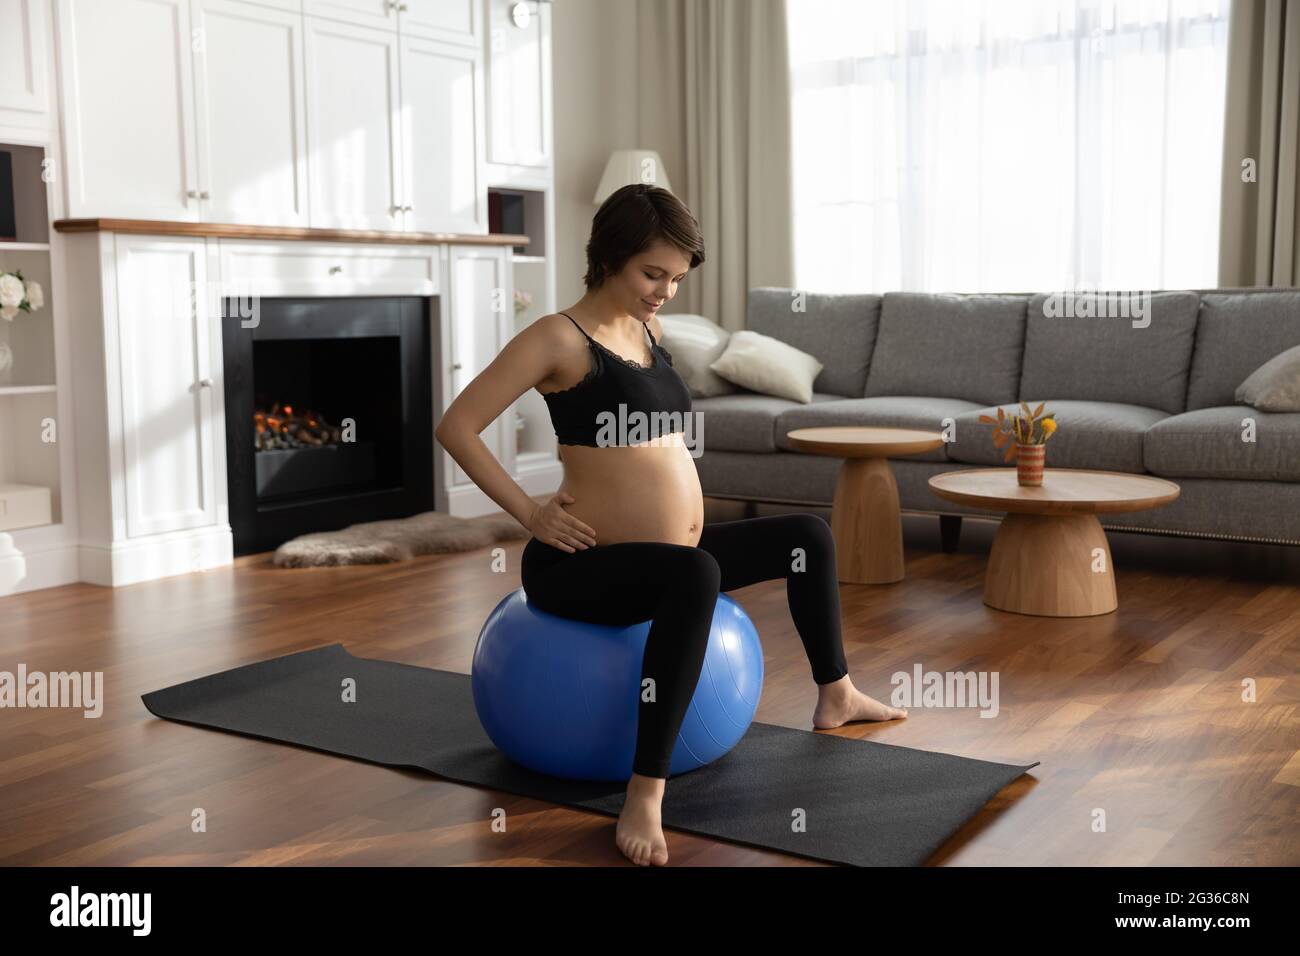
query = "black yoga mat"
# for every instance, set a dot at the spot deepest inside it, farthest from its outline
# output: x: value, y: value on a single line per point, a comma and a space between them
x: 863, y: 803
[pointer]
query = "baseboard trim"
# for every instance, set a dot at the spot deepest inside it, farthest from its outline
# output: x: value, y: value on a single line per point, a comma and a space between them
x: 22, y: 571
x: 157, y: 556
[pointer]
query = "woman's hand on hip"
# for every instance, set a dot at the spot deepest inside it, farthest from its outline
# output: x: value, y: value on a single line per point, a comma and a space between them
x: 551, y: 524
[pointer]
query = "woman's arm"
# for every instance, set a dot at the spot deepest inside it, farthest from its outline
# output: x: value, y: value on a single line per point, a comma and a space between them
x: 527, y: 359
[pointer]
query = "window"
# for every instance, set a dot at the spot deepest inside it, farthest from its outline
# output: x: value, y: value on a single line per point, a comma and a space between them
x: 1007, y: 145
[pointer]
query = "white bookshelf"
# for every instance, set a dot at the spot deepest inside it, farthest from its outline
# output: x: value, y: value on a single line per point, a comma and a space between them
x: 37, y: 541
x: 29, y: 461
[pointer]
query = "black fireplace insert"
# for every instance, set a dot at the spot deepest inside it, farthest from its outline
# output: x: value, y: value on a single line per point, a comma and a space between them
x: 329, y: 417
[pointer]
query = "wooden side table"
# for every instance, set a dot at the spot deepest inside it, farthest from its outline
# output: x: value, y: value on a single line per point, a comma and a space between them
x: 865, y: 518
x: 1050, y: 555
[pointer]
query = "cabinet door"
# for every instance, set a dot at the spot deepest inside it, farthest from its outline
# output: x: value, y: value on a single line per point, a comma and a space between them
x: 127, y: 70
x: 456, y: 21
x: 167, y: 390
x: 24, y: 91
x: 481, y: 307
x: 353, y: 143
x: 518, y: 86
x: 372, y: 13
x: 252, y: 128
x: 442, y: 137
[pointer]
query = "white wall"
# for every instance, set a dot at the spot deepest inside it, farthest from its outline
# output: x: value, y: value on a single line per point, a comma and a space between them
x: 593, y: 46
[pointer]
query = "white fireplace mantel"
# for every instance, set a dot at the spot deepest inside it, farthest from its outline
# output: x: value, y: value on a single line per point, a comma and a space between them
x: 150, y: 398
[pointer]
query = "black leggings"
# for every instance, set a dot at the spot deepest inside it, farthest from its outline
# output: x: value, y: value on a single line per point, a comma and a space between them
x: 676, y: 587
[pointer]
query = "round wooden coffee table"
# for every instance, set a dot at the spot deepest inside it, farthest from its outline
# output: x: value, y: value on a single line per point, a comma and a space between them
x: 1050, y: 555
x: 865, y: 519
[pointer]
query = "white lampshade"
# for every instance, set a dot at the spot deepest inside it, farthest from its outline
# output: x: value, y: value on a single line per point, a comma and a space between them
x: 626, y: 166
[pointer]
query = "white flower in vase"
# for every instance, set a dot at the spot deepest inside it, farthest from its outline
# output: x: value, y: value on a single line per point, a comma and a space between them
x: 12, y: 292
x: 17, y: 295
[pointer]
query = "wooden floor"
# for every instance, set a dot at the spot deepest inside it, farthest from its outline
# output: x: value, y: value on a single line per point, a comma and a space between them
x: 1137, y: 717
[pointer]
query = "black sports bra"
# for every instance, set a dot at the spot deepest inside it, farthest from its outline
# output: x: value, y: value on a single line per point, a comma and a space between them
x: 589, y: 413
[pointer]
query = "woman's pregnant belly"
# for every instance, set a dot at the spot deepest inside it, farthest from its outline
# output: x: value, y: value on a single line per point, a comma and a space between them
x: 635, y: 493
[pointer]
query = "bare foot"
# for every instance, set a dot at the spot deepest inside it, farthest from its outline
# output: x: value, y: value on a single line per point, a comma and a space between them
x: 640, y: 832
x: 841, y: 702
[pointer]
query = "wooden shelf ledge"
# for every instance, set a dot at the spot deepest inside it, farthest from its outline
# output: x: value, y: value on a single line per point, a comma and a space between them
x: 160, y: 227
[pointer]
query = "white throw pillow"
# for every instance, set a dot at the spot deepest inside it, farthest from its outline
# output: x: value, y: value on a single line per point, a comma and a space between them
x: 764, y: 364
x: 695, y: 343
x: 1275, y: 385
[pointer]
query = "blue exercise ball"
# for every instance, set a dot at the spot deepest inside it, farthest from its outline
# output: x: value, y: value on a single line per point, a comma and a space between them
x: 560, y: 696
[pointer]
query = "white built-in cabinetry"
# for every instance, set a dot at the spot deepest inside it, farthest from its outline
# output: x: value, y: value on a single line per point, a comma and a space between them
x: 519, y: 87
x: 354, y: 113
x: 152, y: 460
x: 250, y: 122
x: 168, y: 350
x: 397, y: 117
x: 128, y: 78
x: 478, y: 322
x: 457, y: 21
x: 351, y: 116
x: 24, y: 72
x: 442, y: 103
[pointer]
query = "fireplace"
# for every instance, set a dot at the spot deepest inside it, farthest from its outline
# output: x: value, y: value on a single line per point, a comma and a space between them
x: 329, y: 417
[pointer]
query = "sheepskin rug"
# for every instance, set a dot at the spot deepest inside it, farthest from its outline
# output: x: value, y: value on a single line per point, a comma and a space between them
x: 382, y: 542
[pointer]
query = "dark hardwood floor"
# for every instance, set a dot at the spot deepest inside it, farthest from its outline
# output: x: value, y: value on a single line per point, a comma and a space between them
x: 1138, y: 717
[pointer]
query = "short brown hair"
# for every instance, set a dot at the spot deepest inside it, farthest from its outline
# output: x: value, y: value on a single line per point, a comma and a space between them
x: 631, y: 220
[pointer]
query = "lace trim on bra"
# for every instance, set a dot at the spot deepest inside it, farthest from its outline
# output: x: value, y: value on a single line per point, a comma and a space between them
x: 591, y: 374
x: 625, y: 361
x: 595, y: 368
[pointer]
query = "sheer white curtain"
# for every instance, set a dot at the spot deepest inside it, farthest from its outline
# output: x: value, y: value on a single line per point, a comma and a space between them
x: 1006, y: 145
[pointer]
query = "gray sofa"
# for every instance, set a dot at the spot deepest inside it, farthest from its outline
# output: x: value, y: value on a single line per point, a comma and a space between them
x: 1150, y: 396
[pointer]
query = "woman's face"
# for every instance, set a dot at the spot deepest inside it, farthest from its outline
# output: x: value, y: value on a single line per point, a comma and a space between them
x: 649, y: 279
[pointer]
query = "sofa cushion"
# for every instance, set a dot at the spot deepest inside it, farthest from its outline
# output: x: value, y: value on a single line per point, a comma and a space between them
x: 903, y: 411
x: 1091, y: 353
x: 838, y: 328
x: 1275, y: 385
x: 769, y: 366
x: 746, y: 421
x: 1236, y: 333
x: 694, y: 342
x: 1103, y: 436
x: 1210, y: 443
x: 955, y: 346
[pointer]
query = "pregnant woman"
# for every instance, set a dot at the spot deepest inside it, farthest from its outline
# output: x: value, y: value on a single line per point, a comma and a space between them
x: 623, y: 540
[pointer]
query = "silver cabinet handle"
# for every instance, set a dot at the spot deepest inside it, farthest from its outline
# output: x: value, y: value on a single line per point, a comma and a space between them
x: 408, y: 208
x: 205, y: 383
x: 455, y: 365
x: 193, y: 194
x: 335, y: 270
x: 204, y: 195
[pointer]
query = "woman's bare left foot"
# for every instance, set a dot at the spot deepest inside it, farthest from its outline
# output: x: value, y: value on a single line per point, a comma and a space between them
x: 841, y: 702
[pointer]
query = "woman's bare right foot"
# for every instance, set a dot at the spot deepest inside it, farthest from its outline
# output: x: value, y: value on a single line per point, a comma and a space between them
x: 640, y: 834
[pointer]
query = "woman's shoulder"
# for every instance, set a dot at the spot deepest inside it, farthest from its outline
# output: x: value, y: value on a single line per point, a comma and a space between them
x: 555, y: 324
